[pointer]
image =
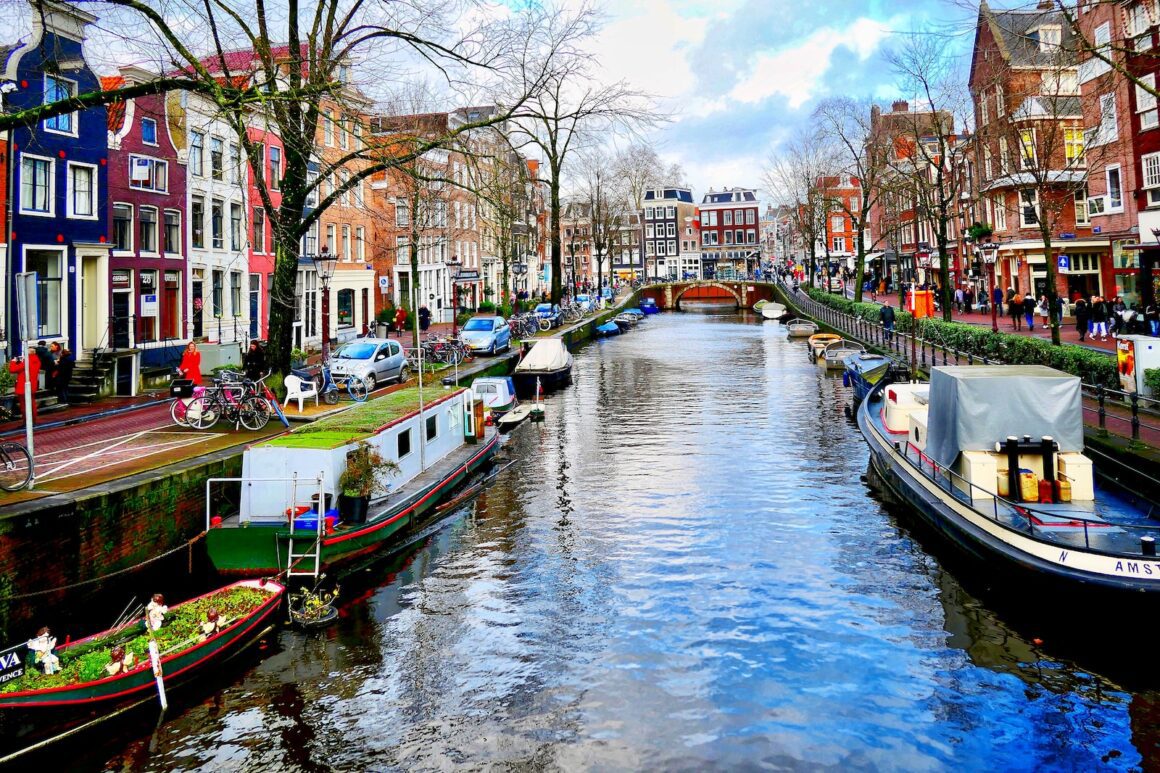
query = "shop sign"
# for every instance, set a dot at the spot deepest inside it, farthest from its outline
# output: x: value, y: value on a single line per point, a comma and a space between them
x: 172, y: 277
x: 11, y: 663
x: 121, y: 278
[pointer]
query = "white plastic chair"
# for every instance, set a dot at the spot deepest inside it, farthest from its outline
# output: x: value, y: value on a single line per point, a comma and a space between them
x: 298, y: 389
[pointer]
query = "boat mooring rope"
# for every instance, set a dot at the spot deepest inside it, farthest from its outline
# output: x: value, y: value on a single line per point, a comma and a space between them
x: 187, y: 546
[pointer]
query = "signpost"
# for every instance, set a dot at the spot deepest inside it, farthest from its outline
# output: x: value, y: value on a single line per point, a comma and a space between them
x: 28, y: 316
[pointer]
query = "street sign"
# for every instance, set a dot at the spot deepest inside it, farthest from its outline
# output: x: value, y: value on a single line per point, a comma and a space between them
x: 384, y: 282
x: 1064, y: 262
x: 26, y: 305
x: 149, y: 306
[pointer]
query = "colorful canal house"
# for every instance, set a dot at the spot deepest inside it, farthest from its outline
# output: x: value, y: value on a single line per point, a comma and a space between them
x: 147, y: 190
x: 59, y: 183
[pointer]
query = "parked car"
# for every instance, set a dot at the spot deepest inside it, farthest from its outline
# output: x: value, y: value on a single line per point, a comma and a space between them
x: 586, y: 302
x: 486, y: 334
x: 374, y: 360
x: 549, y: 312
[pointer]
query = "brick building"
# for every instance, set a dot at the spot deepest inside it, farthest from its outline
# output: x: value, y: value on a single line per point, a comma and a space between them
x: 729, y: 222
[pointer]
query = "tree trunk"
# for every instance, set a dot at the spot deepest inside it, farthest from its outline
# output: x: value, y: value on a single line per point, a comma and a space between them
x: 860, y: 263
x: 1049, y: 265
x: 944, y: 270
x: 554, y: 225
x: 283, y: 302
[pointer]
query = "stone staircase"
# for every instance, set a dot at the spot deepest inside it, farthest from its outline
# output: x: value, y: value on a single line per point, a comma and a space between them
x: 92, y: 377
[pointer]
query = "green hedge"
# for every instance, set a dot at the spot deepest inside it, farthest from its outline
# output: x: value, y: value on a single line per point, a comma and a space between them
x: 1152, y: 380
x: 1091, y: 366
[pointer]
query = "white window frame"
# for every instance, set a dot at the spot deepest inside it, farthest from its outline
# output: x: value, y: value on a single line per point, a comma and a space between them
x: 128, y: 250
x: 1079, y: 202
x: 168, y: 248
x: 73, y: 117
x: 1109, y: 128
x: 999, y: 204
x: 154, y: 164
x: 156, y: 142
x: 197, y: 153
x: 360, y: 238
x: 1108, y: 206
x: 1151, y: 177
x: 51, y: 211
x: 94, y: 194
x: 347, y: 247
x: 1146, y: 106
x: 1023, y: 222
x: 1026, y: 160
x: 157, y: 225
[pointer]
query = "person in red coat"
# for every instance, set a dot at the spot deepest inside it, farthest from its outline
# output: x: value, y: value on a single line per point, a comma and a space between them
x: 190, y: 367
x: 400, y: 320
x: 16, y: 367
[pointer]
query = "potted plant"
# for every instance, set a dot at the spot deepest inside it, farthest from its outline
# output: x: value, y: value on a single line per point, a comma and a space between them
x: 7, y: 382
x: 297, y: 358
x: 366, y: 470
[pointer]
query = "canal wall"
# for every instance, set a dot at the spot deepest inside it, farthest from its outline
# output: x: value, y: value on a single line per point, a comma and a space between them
x: 65, y: 548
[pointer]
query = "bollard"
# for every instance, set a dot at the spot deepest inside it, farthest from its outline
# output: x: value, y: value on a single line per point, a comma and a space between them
x: 1135, y: 416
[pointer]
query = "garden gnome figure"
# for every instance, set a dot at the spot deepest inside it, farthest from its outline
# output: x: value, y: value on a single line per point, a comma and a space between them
x: 42, y: 650
x: 155, y: 612
x: 119, y: 661
x: 211, y: 625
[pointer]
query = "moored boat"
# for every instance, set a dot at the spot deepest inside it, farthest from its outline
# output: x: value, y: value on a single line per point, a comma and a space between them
x: 818, y: 341
x: 497, y: 392
x: 649, y: 306
x: 433, y: 447
x: 607, y: 330
x: 801, y: 328
x: 772, y: 310
x: 549, y: 362
x: 833, y: 355
x: 991, y: 459
x: 757, y: 306
x: 863, y: 371
x: 93, y: 672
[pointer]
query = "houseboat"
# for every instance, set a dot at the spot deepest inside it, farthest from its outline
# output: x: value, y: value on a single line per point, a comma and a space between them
x: 284, y: 520
x: 991, y: 459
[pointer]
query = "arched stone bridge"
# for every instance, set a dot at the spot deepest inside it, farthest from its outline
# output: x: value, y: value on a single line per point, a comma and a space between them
x: 742, y: 294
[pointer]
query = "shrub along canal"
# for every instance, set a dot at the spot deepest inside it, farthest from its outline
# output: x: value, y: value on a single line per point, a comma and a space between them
x: 684, y: 569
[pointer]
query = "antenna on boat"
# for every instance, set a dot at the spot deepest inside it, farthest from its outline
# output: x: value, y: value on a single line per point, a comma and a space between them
x: 419, y: 344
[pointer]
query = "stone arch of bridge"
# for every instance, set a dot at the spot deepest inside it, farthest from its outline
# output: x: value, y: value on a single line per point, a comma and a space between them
x: 719, y: 285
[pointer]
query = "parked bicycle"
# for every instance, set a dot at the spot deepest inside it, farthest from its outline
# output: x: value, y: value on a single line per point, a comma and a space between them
x: 355, y: 387
x: 238, y: 401
x: 15, y: 466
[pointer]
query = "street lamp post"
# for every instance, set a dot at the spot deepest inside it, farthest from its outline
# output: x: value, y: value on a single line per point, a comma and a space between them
x: 990, y: 252
x: 324, y: 264
x: 519, y: 270
x: 453, y: 267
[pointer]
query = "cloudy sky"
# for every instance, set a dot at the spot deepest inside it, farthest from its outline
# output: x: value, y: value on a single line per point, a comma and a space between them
x: 739, y: 76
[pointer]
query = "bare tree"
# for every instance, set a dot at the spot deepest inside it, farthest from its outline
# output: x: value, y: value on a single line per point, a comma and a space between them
x: 607, y: 195
x: 794, y: 178
x: 863, y: 156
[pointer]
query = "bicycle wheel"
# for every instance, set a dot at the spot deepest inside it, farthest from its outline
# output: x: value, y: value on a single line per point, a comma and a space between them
x: 253, y: 413
x: 330, y: 396
x: 357, y: 388
x: 177, y: 411
x: 545, y: 324
x: 203, y: 413
x: 15, y: 466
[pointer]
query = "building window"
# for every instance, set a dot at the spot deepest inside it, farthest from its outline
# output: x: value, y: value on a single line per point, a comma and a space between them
x: 330, y: 240
x: 122, y: 227
x: 402, y: 213
x: 837, y: 223
x: 148, y: 174
x: 149, y: 131
x: 1108, y: 129
x: 47, y: 265
x: 172, y: 231
x: 673, y: 247
x: 1146, y: 102
x: 345, y: 304
x: 82, y: 191
x: 1000, y: 212
x: 328, y: 130
x: 216, y: 299
x: 236, y: 167
x: 432, y: 427
x: 750, y: 217
x: 197, y: 221
x: 217, y: 158
x: 648, y: 231
x: 259, y: 237
x: 1151, y: 167
x: 275, y: 168
x: 36, y: 185
x: 347, y: 247
x: 1115, y: 191
x: 1050, y: 36
x: 1000, y: 102
x: 236, y: 293
x: 57, y: 89
x: 727, y: 217
x: 148, y: 229
x: 196, y: 153
x: 1081, y: 208
x: 670, y: 212
x: 987, y: 171
x: 217, y: 224
x: 1028, y: 208
x: 671, y: 229
x: 235, y: 226
x: 839, y: 244
x: 360, y: 244
x: 1073, y: 146
x: 1026, y: 148
x: 648, y: 213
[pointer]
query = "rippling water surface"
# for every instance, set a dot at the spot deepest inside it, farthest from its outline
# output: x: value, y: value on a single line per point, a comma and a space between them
x: 683, y: 571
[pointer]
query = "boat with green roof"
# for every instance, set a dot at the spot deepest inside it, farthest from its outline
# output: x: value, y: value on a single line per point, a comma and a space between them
x: 283, y: 522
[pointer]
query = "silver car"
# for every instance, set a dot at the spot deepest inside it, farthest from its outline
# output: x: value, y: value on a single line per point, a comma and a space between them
x: 374, y: 360
x: 486, y: 334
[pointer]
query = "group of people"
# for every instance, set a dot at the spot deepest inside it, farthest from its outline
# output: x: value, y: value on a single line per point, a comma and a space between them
x: 1100, y: 318
x: 54, y: 361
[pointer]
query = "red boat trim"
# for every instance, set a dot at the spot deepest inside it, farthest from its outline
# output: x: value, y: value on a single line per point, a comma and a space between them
x: 433, y: 492
x: 882, y: 416
x: 257, y: 617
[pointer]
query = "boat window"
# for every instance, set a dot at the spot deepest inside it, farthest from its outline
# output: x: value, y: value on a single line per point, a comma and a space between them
x: 486, y: 389
x: 404, y: 443
x: 432, y: 427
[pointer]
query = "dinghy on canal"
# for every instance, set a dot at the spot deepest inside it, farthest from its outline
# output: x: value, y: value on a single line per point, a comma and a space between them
x: 991, y: 458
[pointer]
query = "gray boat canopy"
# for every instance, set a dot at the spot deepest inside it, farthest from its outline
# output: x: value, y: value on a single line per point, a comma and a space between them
x: 974, y: 406
x: 547, y: 355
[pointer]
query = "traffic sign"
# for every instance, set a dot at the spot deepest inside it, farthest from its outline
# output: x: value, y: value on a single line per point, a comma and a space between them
x: 1064, y: 262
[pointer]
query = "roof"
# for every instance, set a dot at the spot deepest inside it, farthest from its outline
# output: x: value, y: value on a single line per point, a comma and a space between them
x: 730, y: 196
x: 116, y: 110
x: 669, y: 194
x: 1017, y: 35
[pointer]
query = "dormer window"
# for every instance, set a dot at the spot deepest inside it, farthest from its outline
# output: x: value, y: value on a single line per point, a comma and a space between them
x: 1050, y: 37
x: 149, y: 131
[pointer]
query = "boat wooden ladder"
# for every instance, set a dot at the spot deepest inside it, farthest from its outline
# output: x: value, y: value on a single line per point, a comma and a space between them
x: 311, y: 557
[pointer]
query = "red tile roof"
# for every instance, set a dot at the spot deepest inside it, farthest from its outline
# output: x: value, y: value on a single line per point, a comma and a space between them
x: 116, y: 110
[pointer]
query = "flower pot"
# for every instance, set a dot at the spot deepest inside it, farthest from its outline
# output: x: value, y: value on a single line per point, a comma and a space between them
x: 353, y: 509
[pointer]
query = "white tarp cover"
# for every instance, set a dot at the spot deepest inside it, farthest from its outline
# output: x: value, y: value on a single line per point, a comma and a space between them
x: 973, y: 406
x: 547, y: 355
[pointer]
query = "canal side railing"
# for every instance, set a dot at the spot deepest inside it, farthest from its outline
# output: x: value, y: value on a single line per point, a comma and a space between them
x: 917, y: 351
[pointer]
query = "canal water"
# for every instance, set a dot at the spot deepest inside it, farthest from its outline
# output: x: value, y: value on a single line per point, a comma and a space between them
x: 683, y: 570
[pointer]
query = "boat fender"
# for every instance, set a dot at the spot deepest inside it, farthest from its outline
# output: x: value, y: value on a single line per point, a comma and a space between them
x: 845, y: 378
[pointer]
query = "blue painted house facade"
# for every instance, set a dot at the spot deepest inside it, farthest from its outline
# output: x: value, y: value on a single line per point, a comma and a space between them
x: 58, y: 183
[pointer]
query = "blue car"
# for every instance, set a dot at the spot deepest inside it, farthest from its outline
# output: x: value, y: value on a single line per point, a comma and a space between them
x: 549, y: 316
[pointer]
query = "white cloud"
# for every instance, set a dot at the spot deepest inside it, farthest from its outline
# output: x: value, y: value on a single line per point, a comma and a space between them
x: 795, y: 73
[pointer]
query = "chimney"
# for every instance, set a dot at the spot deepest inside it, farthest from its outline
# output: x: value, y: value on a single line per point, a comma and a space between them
x: 900, y: 106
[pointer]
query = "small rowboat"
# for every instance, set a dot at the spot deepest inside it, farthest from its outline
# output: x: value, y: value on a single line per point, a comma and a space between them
x: 801, y: 328
x: 514, y: 418
x: 772, y: 310
x: 757, y: 306
x: 607, y: 329
x: 246, y: 608
x: 833, y: 356
x: 819, y: 341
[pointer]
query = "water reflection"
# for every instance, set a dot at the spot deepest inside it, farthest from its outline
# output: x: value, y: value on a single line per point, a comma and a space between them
x: 683, y: 570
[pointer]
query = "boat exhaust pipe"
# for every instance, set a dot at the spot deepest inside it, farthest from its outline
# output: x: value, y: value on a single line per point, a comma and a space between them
x: 1012, y: 448
x: 1148, y: 546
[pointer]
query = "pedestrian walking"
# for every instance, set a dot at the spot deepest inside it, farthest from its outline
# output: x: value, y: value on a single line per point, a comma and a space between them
x: 64, y: 371
x: 1029, y: 311
x: 1015, y: 308
x: 960, y: 299
x: 47, y: 365
x: 1043, y: 309
x: 1099, y: 329
x: 254, y: 362
x: 190, y: 366
x: 424, y: 318
x: 1152, y: 317
x: 886, y: 314
x: 400, y: 320
x: 997, y: 299
x: 1083, y: 316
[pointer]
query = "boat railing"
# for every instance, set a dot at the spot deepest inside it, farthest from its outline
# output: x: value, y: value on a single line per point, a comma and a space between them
x: 285, y: 514
x: 1132, y: 411
x: 971, y: 494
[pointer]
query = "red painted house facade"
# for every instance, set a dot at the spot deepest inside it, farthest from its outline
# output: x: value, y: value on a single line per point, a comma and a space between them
x: 730, y: 222
x: 268, y: 146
